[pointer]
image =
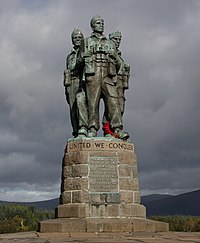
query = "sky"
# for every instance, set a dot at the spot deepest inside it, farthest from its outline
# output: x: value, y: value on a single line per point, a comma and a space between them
x: 162, y: 115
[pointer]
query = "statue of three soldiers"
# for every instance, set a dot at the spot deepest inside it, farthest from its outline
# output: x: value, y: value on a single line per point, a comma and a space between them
x: 95, y: 70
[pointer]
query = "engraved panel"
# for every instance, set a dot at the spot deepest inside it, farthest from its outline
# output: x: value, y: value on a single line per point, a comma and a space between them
x: 99, y: 145
x: 103, y: 176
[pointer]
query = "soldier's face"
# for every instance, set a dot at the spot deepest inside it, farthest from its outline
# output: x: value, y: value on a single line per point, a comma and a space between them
x: 98, y: 26
x: 117, y: 41
x: 77, y: 39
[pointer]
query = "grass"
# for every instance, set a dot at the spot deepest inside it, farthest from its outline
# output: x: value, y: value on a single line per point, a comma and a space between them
x: 180, y: 222
x: 19, y: 218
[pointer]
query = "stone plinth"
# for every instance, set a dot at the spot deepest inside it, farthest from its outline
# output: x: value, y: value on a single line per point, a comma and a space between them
x: 106, y: 225
x: 100, y: 190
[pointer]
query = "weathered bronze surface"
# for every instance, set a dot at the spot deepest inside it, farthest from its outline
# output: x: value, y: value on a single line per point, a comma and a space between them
x: 95, y: 70
x: 75, y: 88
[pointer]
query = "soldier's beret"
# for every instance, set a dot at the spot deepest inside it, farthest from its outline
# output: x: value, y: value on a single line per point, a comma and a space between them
x: 114, y: 34
x: 75, y: 32
x: 94, y: 19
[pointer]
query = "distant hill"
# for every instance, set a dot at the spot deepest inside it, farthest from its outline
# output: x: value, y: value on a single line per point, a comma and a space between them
x: 183, y: 204
x: 153, y: 197
x: 47, y: 204
x: 156, y: 204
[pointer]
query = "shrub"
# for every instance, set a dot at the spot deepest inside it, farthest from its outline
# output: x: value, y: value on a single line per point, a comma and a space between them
x: 180, y: 222
x: 17, y: 217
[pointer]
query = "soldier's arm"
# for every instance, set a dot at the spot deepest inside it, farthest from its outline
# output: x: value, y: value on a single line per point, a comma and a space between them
x: 80, y: 59
x: 67, y: 75
x: 126, y: 76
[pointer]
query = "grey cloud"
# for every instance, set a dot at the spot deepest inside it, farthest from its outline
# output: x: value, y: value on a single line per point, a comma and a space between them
x: 185, y: 179
x: 160, y: 42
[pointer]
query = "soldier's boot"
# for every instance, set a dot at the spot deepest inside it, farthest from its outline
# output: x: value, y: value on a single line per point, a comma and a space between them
x: 82, y: 132
x: 74, y: 134
x: 92, y: 132
x: 118, y: 133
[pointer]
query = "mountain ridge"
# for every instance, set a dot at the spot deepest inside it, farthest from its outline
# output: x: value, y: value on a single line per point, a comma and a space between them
x: 46, y: 204
x: 182, y: 204
x: 156, y: 204
x: 154, y: 197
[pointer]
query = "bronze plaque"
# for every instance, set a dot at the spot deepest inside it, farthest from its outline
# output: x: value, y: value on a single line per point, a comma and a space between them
x: 103, y: 176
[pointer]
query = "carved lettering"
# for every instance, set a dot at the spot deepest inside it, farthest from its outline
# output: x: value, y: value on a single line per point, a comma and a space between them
x: 103, y: 175
x: 99, y: 145
x: 121, y: 145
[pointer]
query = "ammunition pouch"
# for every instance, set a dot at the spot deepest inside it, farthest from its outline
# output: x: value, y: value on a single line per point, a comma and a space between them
x: 125, y: 81
x: 67, y: 77
x: 112, y: 69
x: 89, y: 66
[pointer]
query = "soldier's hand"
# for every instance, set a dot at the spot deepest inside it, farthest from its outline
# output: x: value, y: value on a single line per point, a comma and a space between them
x: 88, y: 53
x: 113, y: 55
x: 64, y: 78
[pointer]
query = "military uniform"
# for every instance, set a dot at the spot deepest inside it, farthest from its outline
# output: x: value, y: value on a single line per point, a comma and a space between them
x: 75, y: 93
x: 122, y: 82
x: 100, y: 60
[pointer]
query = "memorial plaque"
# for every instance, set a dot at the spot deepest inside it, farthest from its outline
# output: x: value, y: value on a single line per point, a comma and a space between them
x: 103, y: 175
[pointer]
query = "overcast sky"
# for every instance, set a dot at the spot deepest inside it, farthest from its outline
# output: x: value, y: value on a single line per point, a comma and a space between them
x: 161, y: 42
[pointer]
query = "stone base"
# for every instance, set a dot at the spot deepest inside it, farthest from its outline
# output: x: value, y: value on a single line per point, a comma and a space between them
x: 101, y: 211
x: 100, y: 190
x: 108, y: 225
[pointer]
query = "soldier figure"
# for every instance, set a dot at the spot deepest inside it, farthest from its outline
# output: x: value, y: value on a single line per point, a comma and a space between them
x: 75, y: 88
x: 101, y: 64
x: 123, y: 73
x: 121, y: 84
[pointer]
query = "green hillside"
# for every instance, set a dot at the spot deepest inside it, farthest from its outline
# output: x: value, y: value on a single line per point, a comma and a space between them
x: 18, y: 218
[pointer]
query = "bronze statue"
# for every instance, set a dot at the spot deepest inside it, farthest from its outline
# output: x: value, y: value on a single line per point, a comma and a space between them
x: 123, y: 73
x: 121, y: 84
x: 75, y: 88
x: 101, y: 65
x: 95, y: 71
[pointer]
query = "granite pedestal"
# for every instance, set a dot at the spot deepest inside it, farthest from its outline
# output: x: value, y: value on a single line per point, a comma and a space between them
x: 100, y: 190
